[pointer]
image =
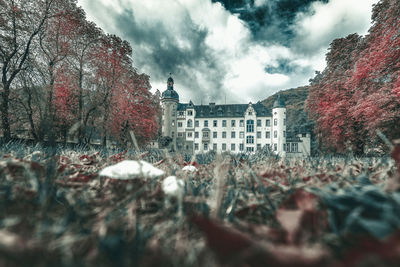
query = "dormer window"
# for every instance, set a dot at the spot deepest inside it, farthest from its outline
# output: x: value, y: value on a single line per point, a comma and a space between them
x: 190, y: 113
x: 250, y: 113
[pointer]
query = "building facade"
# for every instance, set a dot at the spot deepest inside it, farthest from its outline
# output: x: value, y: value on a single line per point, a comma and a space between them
x: 235, y: 128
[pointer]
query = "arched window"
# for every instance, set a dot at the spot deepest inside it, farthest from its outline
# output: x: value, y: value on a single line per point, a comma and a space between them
x: 189, y: 123
x: 250, y: 126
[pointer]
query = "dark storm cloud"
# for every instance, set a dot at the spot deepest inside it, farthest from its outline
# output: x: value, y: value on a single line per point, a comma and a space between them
x: 155, y: 46
x: 272, y: 21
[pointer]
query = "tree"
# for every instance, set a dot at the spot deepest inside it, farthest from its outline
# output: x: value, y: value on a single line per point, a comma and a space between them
x: 112, y: 60
x: 134, y: 109
x: 84, y: 44
x: 376, y: 73
x: 21, y: 21
x: 329, y: 99
x: 358, y: 92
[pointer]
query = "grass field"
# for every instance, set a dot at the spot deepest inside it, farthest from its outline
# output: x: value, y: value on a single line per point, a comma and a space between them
x: 56, y: 210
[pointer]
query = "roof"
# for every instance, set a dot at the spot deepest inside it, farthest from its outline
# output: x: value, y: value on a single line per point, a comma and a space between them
x: 233, y: 110
x: 292, y: 138
x: 279, y: 103
x: 170, y: 93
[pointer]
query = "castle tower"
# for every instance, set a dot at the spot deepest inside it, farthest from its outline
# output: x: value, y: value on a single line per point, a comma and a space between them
x: 169, y: 102
x: 279, y: 127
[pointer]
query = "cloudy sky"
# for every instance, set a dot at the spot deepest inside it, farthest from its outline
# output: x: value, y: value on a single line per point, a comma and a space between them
x: 230, y: 50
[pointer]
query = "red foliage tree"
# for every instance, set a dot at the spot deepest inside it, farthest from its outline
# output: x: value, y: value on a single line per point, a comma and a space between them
x: 124, y: 95
x: 329, y: 98
x: 65, y: 100
x: 134, y: 109
x: 358, y: 92
x: 60, y: 70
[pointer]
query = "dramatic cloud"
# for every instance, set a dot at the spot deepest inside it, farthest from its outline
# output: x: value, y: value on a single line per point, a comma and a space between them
x: 237, y: 51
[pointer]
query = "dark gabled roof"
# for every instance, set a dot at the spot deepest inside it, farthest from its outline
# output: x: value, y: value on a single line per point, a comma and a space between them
x: 233, y: 110
x: 182, y: 107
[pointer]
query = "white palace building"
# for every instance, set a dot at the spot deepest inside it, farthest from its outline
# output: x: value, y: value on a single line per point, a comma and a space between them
x: 234, y: 128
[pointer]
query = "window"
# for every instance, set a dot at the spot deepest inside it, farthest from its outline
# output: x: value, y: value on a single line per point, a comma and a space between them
x: 205, y: 134
x: 190, y: 134
x: 196, y: 123
x: 190, y: 112
x: 223, y: 123
x: 181, y: 113
x: 250, y: 113
x: 189, y: 123
x: 294, y: 147
x: 250, y: 126
x: 223, y: 147
x: 241, y: 147
x: 233, y: 134
x: 196, y: 146
x: 206, y: 123
x: 180, y: 124
x: 267, y: 135
x: 275, y: 134
x: 284, y: 122
x: 284, y: 133
x: 284, y: 147
x: 196, y: 134
x: 258, y: 146
x: 215, y: 134
x: 275, y: 147
x: 233, y: 123
x: 288, y: 147
x: 173, y: 113
x: 205, y: 146
x: 241, y: 123
x: 250, y: 149
x: 241, y: 135
x: 223, y: 134
x: 275, y: 122
x: 250, y: 139
x: 215, y: 124
x: 267, y: 123
x: 258, y: 134
x: 180, y: 134
x: 233, y: 147
x: 215, y: 146
x: 173, y: 134
x: 258, y: 123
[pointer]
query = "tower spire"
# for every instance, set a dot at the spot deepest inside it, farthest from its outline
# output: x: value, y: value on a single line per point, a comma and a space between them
x: 170, y: 82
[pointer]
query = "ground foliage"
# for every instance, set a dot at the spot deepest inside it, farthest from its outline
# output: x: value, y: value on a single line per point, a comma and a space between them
x: 236, y: 211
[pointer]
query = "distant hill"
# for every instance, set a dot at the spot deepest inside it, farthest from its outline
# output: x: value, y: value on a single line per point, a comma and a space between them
x: 297, y: 118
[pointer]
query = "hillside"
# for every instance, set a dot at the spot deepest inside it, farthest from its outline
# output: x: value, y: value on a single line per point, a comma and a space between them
x: 297, y: 118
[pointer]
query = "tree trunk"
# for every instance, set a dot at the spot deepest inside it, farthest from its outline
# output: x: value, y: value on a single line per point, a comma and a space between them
x: 81, y: 129
x: 5, y: 113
